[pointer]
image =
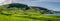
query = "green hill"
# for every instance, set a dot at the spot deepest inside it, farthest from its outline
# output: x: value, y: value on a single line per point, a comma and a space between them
x: 16, y: 14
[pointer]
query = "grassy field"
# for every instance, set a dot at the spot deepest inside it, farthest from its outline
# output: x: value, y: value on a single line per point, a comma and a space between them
x: 14, y: 14
x: 32, y: 17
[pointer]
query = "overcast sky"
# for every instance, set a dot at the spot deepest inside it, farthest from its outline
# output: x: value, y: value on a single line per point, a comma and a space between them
x: 49, y: 4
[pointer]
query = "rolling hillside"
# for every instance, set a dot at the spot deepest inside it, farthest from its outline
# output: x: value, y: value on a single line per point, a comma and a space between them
x: 17, y: 14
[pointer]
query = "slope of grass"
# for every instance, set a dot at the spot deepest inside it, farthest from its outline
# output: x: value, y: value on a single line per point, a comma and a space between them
x: 20, y: 17
x: 15, y: 14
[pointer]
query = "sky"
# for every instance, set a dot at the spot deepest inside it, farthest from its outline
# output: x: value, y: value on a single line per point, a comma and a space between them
x: 49, y: 4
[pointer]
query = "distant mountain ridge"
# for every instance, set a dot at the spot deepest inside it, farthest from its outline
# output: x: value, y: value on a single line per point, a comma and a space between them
x: 40, y: 9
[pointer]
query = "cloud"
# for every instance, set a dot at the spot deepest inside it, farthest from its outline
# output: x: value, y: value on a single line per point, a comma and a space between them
x: 46, y: 1
x: 26, y: 1
x: 2, y: 1
x: 52, y: 0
